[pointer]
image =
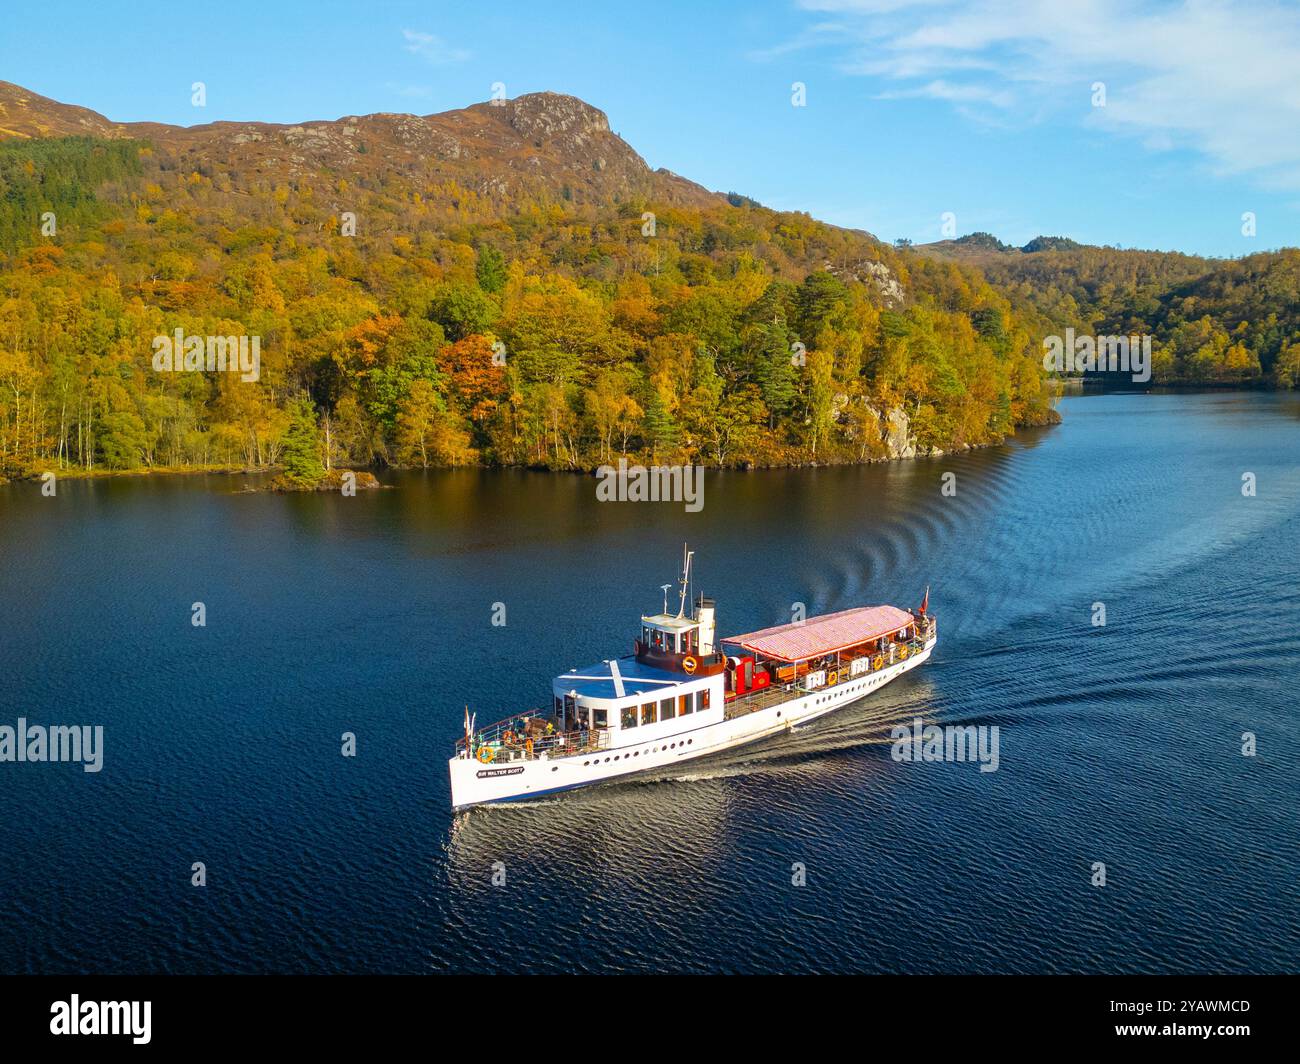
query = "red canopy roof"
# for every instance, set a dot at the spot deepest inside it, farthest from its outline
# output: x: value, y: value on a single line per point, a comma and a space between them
x: 824, y: 635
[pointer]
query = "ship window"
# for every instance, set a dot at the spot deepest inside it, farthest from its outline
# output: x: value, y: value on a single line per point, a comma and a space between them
x: 666, y: 709
x: 559, y: 707
x: 683, y: 705
x: 704, y: 698
x: 600, y: 718
x: 629, y: 716
x: 648, y: 713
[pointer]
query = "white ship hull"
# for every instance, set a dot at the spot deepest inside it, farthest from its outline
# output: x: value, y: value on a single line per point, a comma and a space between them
x: 708, y: 732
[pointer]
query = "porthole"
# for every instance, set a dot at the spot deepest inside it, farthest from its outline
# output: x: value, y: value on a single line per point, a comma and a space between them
x: 585, y: 764
x: 555, y: 768
x: 690, y: 740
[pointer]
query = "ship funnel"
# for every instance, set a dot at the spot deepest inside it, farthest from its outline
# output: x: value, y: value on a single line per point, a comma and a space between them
x: 708, y: 625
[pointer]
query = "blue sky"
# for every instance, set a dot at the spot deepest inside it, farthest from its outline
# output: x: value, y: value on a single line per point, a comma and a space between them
x: 915, y: 108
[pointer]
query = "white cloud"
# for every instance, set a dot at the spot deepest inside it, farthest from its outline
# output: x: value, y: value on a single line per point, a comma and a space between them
x: 1221, y: 77
x: 943, y: 90
x: 810, y: 37
x: 432, y: 48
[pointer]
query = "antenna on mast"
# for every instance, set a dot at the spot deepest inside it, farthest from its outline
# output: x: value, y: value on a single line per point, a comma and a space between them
x: 687, y: 555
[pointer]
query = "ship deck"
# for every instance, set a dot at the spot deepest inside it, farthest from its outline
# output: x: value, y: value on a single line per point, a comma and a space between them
x: 597, y: 681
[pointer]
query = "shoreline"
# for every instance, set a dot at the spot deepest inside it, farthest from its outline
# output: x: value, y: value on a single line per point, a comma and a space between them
x: 739, y: 467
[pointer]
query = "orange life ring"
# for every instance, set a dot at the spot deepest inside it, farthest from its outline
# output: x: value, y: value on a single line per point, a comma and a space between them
x: 690, y: 664
x: 877, y: 662
x: 902, y: 652
x: 485, y: 750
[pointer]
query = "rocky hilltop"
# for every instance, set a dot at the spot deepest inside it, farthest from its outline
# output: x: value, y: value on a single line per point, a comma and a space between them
x: 543, y: 142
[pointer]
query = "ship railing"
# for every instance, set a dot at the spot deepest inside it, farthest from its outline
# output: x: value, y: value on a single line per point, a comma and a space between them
x: 496, y: 732
x: 505, y: 742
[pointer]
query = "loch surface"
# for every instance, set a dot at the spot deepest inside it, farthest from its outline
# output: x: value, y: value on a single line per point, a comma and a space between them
x: 1120, y: 743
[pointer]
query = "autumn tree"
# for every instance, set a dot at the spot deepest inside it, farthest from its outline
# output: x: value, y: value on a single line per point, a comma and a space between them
x: 427, y: 433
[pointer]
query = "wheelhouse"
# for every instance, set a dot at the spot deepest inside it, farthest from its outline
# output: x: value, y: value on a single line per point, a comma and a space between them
x: 627, y: 700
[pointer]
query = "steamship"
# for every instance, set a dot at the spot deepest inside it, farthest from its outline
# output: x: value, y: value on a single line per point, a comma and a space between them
x: 684, y: 694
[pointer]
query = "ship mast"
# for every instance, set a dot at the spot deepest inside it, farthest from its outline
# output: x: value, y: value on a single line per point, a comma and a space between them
x: 687, y: 555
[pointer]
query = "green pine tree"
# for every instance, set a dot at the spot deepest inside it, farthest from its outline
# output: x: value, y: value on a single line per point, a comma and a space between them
x: 660, y: 431
x: 491, y: 269
x: 776, y: 373
x: 302, y: 463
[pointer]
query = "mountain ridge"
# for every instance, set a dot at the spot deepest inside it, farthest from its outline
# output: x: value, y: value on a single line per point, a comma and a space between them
x: 544, y: 140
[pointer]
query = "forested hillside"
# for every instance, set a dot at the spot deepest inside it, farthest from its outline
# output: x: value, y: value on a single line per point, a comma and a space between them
x: 500, y: 285
x: 1221, y: 321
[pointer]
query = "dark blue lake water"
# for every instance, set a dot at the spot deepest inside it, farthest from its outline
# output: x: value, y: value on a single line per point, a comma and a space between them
x: 1119, y: 744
